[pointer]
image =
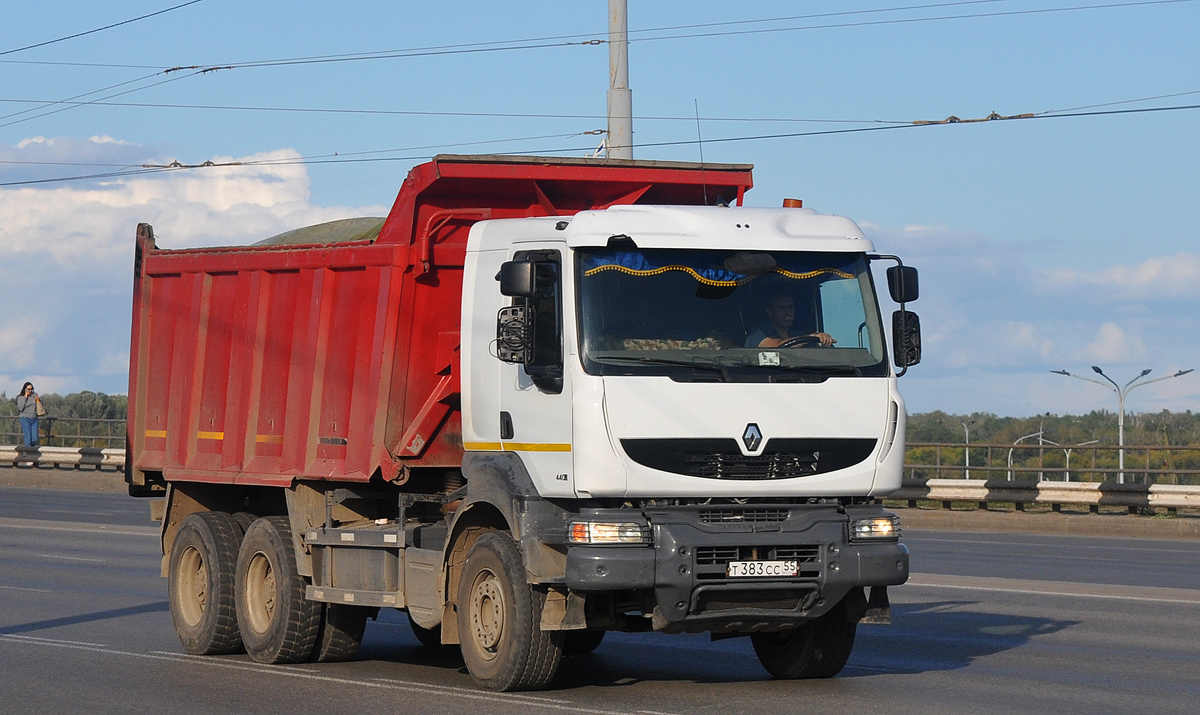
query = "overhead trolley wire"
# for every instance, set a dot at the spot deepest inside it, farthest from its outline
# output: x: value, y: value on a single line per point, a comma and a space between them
x: 70, y: 104
x: 591, y: 39
x: 98, y: 29
x: 568, y: 40
x: 427, y: 113
x: 357, y: 158
x: 912, y: 20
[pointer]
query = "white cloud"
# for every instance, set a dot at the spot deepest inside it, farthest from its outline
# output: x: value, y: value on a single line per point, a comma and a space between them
x: 113, y: 364
x: 1112, y: 344
x: 997, y: 316
x: 1161, y: 276
x: 18, y: 340
x: 66, y: 250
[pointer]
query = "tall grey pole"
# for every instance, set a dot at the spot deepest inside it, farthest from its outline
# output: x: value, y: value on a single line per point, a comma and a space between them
x: 967, y: 444
x: 1122, y: 393
x: 620, y: 99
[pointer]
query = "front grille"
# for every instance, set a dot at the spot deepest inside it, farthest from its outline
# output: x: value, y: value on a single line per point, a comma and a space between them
x: 723, y: 459
x: 728, y: 516
x: 735, y: 465
x: 721, y: 555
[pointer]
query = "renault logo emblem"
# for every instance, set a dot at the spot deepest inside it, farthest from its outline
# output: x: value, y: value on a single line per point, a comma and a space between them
x: 752, y: 437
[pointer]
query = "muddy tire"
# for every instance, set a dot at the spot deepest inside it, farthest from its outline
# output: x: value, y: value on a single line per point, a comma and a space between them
x: 341, y: 632
x: 276, y: 622
x: 200, y: 583
x: 244, y: 519
x: 817, y: 649
x: 499, y: 617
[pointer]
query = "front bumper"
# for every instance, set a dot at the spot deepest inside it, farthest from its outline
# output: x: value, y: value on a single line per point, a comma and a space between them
x: 686, y: 565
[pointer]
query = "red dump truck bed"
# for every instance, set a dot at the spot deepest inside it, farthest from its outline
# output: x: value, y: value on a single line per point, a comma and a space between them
x: 265, y: 364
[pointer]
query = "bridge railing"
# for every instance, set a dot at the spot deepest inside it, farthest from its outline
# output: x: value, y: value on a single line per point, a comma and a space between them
x: 1159, y: 464
x: 68, y: 432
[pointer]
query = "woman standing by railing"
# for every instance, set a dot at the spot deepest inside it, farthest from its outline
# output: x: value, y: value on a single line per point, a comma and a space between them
x: 27, y: 409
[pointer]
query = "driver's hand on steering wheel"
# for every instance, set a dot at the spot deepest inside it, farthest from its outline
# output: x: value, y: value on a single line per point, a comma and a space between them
x: 825, y: 338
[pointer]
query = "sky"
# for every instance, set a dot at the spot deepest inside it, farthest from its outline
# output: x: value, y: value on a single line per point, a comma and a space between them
x: 1056, y: 242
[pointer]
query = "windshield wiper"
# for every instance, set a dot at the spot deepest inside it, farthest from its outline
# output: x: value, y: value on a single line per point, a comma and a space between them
x: 820, y: 369
x: 696, y: 363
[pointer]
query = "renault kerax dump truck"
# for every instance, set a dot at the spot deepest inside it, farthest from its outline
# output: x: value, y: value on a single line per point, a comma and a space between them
x: 542, y: 400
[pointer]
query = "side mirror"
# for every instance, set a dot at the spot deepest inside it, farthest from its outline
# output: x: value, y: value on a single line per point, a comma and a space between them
x: 517, y: 278
x: 902, y: 283
x: 514, y: 334
x: 906, y: 339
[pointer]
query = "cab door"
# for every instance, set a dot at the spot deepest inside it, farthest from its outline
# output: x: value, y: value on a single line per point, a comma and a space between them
x: 535, y: 396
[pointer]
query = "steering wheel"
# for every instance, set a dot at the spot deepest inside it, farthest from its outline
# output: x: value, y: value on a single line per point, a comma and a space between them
x: 801, y: 340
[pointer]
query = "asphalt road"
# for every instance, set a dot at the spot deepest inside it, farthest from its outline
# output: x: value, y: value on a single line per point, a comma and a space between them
x: 991, y: 623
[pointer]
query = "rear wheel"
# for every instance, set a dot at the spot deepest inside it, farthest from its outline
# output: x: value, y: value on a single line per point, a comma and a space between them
x: 817, y: 649
x: 200, y: 583
x: 341, y: 632
x: 277, y: 623
x: 244, y: 519
x: 581, y: 642
x: 499, y: 617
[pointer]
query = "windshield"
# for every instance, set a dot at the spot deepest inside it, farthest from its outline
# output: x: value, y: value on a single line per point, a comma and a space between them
x: 728, y: 315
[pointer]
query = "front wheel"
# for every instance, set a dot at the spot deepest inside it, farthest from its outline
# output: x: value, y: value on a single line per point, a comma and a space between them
x: 817, y: 649
x: 499, y: 620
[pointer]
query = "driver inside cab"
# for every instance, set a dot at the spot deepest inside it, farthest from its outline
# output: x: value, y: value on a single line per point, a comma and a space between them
x: 779, y: 330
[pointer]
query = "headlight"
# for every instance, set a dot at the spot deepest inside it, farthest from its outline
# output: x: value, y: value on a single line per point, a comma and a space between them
x: 876, y: 527
x: 601, y: 532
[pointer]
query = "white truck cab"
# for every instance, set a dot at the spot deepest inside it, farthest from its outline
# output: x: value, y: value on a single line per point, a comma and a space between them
x: 645, y: 382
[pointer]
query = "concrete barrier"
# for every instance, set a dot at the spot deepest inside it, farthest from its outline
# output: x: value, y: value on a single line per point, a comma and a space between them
x: 1091, y: 494
x: 63, y: 456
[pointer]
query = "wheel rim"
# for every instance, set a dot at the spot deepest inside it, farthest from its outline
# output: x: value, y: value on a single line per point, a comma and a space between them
x: 193, y: 586
x: 260, y: 593
x: 487, y: 613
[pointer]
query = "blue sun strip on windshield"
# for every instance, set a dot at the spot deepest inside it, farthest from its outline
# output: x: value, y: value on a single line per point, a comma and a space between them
x: 710, y: 281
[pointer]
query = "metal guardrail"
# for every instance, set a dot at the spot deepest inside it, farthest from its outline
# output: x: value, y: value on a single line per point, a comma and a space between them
x: 68, y: 431
x: 1090, y: 494
x: 1157, y: 464
x: 63, y: 456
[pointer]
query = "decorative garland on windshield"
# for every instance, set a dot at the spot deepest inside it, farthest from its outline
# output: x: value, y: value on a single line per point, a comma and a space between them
x: 710, y: 281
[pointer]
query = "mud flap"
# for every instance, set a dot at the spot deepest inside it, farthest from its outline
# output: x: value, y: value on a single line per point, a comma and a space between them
x: 563, y: 611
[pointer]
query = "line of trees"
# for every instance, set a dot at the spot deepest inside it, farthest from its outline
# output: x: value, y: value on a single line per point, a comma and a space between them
x: 1144, y: 429
x: 93, y: 408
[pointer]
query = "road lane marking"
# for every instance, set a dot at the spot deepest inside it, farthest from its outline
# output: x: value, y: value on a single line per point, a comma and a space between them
x: 1057, y: 588
x: 70, y: 558
x: 1011, y: 544
x: 41, y: 524
x: 405, y: 685
x: 297, y: 672
x: 53, y: 641
x: 26, y: 588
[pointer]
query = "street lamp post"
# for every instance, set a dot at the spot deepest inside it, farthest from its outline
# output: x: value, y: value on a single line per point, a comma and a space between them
x: 1067, y: 472
x: 1122, y: 392
x: 966, y: 425
x: 1010, y: 450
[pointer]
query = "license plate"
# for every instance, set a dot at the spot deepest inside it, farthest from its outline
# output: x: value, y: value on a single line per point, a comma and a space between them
x: 738, y: 569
